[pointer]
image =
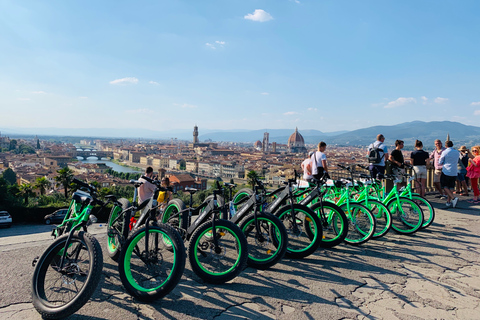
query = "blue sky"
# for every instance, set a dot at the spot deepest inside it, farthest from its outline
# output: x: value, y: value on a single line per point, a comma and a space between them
x: 277, y: 64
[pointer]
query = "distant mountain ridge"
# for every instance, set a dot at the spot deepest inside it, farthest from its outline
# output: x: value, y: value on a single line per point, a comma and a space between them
x: 427, y: 132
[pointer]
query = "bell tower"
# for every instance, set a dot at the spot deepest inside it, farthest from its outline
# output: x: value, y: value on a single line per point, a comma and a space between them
x: 195, y: 134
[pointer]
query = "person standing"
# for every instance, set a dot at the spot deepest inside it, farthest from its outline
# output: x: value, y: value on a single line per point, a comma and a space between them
x: 307, y: 168
x: 319, y: 161
x: 377, y: 167
x: 146, y: 190
x: 449, y: 159
x: 462, y: 188
x: 435, y: 155
x: 419, y: 159
x: 473, y: 172
x: 397, y: 160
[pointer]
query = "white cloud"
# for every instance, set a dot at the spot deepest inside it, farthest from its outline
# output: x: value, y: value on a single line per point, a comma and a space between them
x: 140, y: 111
x: 441, y: 100
x: 400, y: 102
x: 222, y: 43
x: 185, y: 105
x: 39, y: 92
x: 424, y: 99
x: 154, y: 82
x: 312, y: 109
x: 476, y: 113
x: 127, y: 80
x: 475, y: 103
x: 290, y: 113
x: 210, y: 45
x: 264, y: 93
x: 24, y: 99
x: 296, y: 1
x: 259, y: 15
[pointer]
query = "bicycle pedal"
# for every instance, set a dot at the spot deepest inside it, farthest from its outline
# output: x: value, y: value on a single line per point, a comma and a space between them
x: 112, y: 232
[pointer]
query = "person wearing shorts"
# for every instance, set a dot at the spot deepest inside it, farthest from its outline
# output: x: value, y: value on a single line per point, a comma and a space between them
x: 435, y: 155
x: 419, y: 159
x: 449, y: 160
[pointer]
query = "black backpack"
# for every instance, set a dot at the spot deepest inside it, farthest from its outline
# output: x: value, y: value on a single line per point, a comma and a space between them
x: 375, y: 155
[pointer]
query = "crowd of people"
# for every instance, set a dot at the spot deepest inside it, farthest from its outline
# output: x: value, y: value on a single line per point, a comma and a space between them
x: 454, y: 170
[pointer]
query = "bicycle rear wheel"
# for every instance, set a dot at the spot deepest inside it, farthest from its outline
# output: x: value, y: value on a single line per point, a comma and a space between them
x: 304, y: 230
x: 58, y: 292
x: 221, y: 261
x: 334, y: 223
x: 361, y: 223
x: 149, y: 268
x: 267, y: 245
x: 407, y: 216
x: 118, y: 229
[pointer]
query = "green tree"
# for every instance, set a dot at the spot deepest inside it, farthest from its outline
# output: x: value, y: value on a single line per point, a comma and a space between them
x: 13, y: 145
x: 26, y: 191
x: 25, y: 149
x: 64, y: 178
x: 42, y: 184
x: 10, y: 176
x: 252, y: 176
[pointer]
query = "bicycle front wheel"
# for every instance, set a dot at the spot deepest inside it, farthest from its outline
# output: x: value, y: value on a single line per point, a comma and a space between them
x: 150, y: 268
x: 427, y: 209
x: 304, y: 230
x: 221, y: 258
x: 382, y: 216
x: 407, y: 216
x: 267, y: 244
x: 334, y: 223
x: 118, y: 229
x: 361, y: 223
x: 60, y: 290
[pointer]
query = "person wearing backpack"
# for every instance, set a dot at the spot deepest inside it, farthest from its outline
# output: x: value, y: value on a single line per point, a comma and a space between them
x: 307, y: 168
x: 377, y: 153
x: 319, y: 161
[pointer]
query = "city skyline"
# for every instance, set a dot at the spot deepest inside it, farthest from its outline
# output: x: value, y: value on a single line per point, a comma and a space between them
x: 328, y: 66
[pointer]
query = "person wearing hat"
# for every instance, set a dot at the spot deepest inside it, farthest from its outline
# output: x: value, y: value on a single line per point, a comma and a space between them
x: 462, y: 188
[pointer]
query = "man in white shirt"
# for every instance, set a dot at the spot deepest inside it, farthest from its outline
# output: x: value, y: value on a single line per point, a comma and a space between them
x: 449, y: 159
x: 319, y: 161
x: 146, y: 190
x: 378, y: 169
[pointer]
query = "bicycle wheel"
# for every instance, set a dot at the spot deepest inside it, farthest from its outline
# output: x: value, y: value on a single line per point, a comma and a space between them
x: 58, y: 292
x: 427, y: 209
x: 240, y: 195
x: 334, y: 223
x: 149, y: 269
x: 118, y: 229
x: 407, y: 216
x: 170, y: 216
x: 267, y: 246
x: 222, y: 261
x: 361, y: 223
x: 382, y: 216
x: 304, y: 230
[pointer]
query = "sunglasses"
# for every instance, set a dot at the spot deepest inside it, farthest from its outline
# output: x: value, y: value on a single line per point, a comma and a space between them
x: 474, y: 150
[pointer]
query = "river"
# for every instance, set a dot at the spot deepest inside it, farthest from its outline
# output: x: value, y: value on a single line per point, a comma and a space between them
x: 110, y: 164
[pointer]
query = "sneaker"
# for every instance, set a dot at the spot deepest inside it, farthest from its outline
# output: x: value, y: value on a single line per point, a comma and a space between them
x: 454, y: 202
x: 443, y: 197
x: 448, y: 204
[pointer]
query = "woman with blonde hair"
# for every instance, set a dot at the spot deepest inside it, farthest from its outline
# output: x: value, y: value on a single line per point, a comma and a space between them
x: 473, y: 172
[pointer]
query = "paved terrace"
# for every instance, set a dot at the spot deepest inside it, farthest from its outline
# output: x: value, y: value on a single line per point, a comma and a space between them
x: 433, y: 274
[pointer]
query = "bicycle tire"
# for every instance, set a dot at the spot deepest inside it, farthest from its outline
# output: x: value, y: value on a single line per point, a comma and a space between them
x: 407, y: 216
x: 301, y: 243
x: 150, y: 275
x: 427, y: 209
x: 266, y: 249
x: 382, y: 215
x: 334, y: 223
x: 361, y: 223
x: 174, y: 206
x: 71, y: 287
x: 120, y: 230
x: 221, y: 264
x: 240, y: 195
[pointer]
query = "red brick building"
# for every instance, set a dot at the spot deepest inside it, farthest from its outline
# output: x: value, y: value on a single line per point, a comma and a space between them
x: 182, y: 181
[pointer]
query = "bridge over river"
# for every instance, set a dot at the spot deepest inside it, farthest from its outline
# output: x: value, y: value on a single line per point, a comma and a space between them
x: 94, y: 153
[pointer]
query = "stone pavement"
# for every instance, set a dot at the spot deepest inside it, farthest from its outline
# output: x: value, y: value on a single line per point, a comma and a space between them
x: 433, y: 274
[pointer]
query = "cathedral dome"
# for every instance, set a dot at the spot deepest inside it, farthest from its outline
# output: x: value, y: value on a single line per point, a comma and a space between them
x: 296, y: 139
x: 257, y: 144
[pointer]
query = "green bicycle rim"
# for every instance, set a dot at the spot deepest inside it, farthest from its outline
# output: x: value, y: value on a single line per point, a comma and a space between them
x: 277, y: 234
